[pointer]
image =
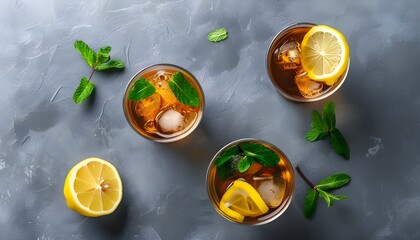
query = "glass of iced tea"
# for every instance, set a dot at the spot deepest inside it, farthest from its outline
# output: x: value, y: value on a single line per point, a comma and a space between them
x: 250, y: 181
x: 163, y: 103
x: 308, y: 62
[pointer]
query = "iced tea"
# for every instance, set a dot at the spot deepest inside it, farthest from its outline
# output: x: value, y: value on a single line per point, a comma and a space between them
x: 250, y: 181
x: 162, y: 117
x: 284, y: 66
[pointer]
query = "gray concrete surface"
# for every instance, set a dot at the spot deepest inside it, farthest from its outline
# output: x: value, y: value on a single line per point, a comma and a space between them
x: 43, y: 133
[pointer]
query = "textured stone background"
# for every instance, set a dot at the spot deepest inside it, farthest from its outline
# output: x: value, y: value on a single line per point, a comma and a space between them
x: 43, y: 133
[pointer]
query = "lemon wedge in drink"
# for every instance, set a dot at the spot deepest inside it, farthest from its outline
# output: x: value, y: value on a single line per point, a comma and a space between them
x: 325, y: 54
x: 93, y: 188
x: 242, y: 200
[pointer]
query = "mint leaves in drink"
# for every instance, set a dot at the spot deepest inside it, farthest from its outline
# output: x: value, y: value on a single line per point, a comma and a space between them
x: 242, y: 156
x: 260, y: 153
x: 333, y: 182
x: 217, y: 35
x: 323, y: 126
x: 141, y: 90
x: 184, y: 92
x: 97, y: 61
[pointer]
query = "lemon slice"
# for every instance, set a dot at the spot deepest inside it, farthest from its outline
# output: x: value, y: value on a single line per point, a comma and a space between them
x: 242, y: 200
x: 93, y: 188
x: 325, y: 54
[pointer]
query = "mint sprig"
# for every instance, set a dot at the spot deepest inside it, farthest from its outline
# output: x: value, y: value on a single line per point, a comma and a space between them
x: 217, y: 35
x: 239, y: 158
x: 323, y: 126
x: 333, y: 182
x: 97, y: 61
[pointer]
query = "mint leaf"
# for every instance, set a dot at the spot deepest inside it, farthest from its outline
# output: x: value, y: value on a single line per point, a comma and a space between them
x: 311, y: 200
x: 88, y: 54
x: 339, y: 144
x: 141, y: 90
x: 334, y: 182
x: 318, y: 122
x: 245, y: 163
x: 328, y: 114
x: 226, y: 155
x: 103, y: 54
x: 183, y: 90
x: 319, y: 128
x: 113, y: 64
x: 315, y: 135
x: 83, y: 91
x: 217, y: 35
x: 226, y: 170
x: 260, y: 153
x: 329, y: 198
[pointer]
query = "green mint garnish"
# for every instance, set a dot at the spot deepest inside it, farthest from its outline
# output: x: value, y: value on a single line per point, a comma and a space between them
x: 311, y: 201
x: 98, y: 61
x: 141, y: 90
x: 245, y: 163
x: 329, y: 198
x: 226, y: 155
x: 240, y: 157
x: 113, y: 64
x: 88, y: 54
x: 226, y: 170
x: 323, y: 126
x: 83, y: 91
x: 335, y: 181
x: 183, y: 90
x: 260, y: 153
x: 217, y: 35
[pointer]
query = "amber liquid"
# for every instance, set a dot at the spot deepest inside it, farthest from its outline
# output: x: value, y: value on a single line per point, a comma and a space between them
x: 282, y: 176
x: 285, y: 79
x: 144, y: 115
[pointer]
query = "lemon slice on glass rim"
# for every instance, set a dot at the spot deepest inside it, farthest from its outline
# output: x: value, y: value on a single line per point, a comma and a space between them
x: 93, y: 188
x: 325, y: 54
x: 242, y: 200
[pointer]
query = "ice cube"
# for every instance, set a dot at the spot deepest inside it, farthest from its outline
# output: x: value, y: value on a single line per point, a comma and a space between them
x: 308, y: 87
x: 185, y: 118
x: 171, y: 121
x: 288, y: 55
x: 148, y: 107
x: 161, y: 82
x: 270, y: 188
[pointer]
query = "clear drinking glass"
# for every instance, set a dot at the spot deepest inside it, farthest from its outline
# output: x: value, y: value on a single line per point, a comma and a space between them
x: 274, y: 184
x: 161, y: 117
x: 287, y: 75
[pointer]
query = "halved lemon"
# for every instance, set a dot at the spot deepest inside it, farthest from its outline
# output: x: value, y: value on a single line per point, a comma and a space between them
x: 325, y: 54
x: 242, y: 200
x: 93, y: 188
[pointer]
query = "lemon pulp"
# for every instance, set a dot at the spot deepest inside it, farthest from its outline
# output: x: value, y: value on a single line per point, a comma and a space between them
x: 93, y: 188
x: 242, y: 200
x: 325, y: 54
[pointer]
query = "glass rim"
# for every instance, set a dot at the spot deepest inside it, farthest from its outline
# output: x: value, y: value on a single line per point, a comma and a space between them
x: 287, y: 95
x: 177, y: 137
x: 287, y: 201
